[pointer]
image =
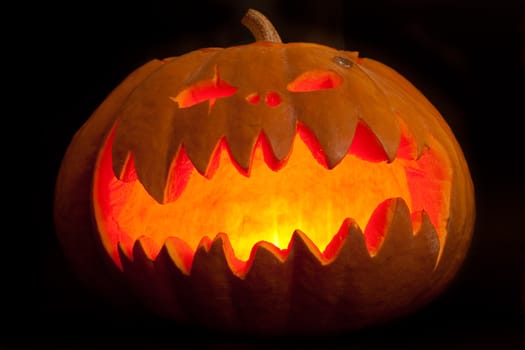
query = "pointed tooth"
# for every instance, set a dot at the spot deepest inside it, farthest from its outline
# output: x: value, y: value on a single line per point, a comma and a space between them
x: 274, y: 159
x: 306, y: 281
x: 237, y: 266
x: 129, y: 173
x: 393, y: 217
x: 152, y: 157
x: 354, y: 248
x: 145, y: 248
x: 375, y: 109
x: 366, y: 145
x: 379, y: 224
x: 178, y: 176
x: 329, y: 145
x: 427, y: 239
x: 418, y: 250
x: 158, y: 293
x: 177, y: 294
x: 215, y: 159
x: 241, y: 149
x: 265, y: 254
x: 301, y: 245
x: 125, y: 247
x: 399, y: 271
x: 280, y: 138
x: 410, y: 147
x: 119, y: 158
x: 125, y: 256
x: 332, y: 128
x: 316, y: 287
x: 201, y: 152
x: 338, y: 240
x: 211, y: 284
x: 311, y: 141
x: 180, y: 254
x: 263, y: 293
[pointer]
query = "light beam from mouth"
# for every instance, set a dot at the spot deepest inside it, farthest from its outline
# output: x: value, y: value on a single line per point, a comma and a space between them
x: 268, y: 205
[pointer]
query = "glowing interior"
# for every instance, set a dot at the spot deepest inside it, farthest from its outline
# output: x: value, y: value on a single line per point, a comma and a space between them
x: 267, y: 203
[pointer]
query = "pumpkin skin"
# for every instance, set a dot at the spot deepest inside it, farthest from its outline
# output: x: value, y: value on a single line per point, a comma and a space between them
x: 183, y: 119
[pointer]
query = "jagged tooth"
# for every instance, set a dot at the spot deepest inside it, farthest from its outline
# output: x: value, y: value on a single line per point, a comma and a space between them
x: 275, y: 154
x: 200, y: 150
x: 145, y: 248
x: 123, y: 256
x: 399, y: 271
x: 280, y: 137
x: 158, y: 293
x: 180, y: 254
x: 353, y: 250
x: 265, y: 254
x: 119, y: 157
x: 389, y: 137
x: 212, y: 276
x: 398, y: 224
x: 371, y: 105
x: 333, y: 140
x: 306, y: 282
x: 334, y: 246
x: 141, y: 250
x: 152, y: 158
x: 376, y: 108
x: 410, y: 257
x: 366, y: 145
x: 427, y: 239
x: 177, y: 299
x: 316, y: 287
x: 129, y: 173
x: 121, y: 160
x: 263, y: 293
x: 242, y: 147
x: 178, y: 175
x: 301, y: 247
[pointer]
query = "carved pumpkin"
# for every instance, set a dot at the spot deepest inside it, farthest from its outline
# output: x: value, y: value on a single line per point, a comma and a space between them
x: 267, y: 188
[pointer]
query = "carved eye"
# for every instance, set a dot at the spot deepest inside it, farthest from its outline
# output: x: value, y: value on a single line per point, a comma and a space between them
x: 314, y: 80
x: 205, y: 90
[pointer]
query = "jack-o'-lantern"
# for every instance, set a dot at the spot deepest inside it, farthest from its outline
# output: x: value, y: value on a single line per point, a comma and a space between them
x: 267, y: 188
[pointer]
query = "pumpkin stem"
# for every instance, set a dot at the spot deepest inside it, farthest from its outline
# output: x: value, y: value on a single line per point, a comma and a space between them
x: 260, y: 26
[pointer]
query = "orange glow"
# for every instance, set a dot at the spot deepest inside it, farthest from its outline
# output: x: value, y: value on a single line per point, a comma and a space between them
x: 253, y: 98
x: 206, y: 90
x: 269, y: 202
x: 273, y: 99
x: 314, y: 80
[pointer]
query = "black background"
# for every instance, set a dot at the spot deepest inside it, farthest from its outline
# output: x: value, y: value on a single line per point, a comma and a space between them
x: 467, y: 57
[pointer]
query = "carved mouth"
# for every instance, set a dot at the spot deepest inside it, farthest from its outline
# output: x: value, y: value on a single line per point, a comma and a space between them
x: 265, y: 204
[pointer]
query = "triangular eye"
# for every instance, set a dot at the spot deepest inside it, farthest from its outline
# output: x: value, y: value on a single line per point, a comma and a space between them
x: 314, y: 80
x: 205, y: 90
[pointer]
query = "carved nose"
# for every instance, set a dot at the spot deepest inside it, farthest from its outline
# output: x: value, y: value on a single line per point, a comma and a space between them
x: 271, y: 98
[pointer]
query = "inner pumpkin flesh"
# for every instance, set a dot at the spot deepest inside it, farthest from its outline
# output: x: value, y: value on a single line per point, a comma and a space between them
x: 271, y: 201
